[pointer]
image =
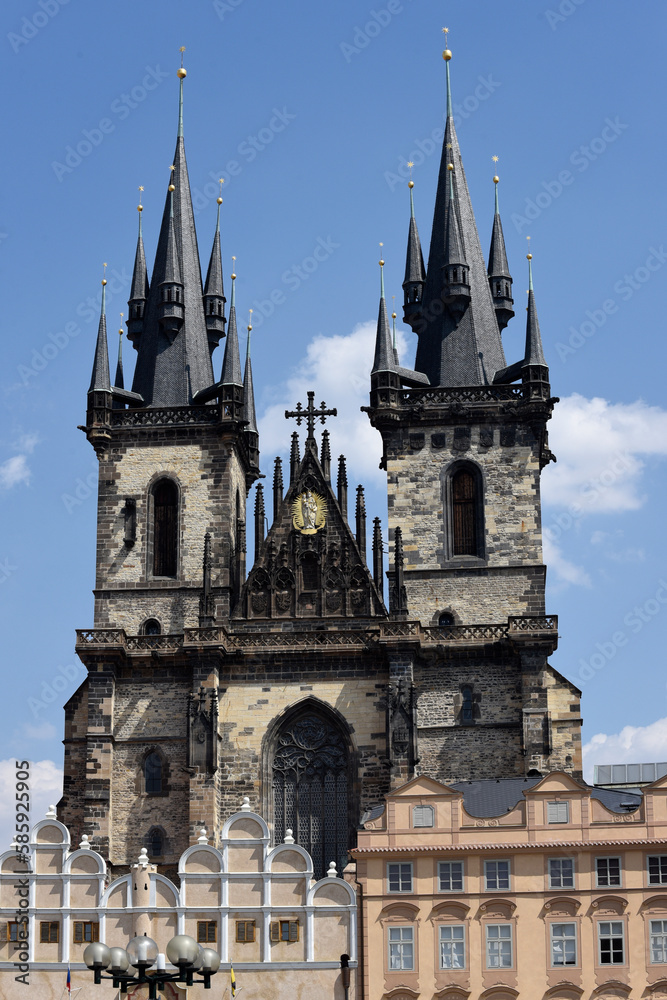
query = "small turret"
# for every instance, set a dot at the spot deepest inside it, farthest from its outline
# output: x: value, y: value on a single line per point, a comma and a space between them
x: 455, y: 271
x: 249, y: 414
x: 534, y: 369
x: 139, y: 290
x: 214, y: 297
x: 100, y: 400
x: 231, y: 380
x: 500, y: 280
x: 172, y: 307
x: 384, y: 367
x: 415, y: 275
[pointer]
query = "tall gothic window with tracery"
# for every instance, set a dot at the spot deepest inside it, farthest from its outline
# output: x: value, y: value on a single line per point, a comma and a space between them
x: 310, y: 789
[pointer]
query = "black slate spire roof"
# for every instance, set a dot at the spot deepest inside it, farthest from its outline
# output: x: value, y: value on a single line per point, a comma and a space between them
x: 119, y: 382
x: 414, y: 259
x: 534, y: 353
x: 249, y: 413
x: 231, y: 363
x: 170, y: 371
x: 457, y: 349
x: 100, y: 379
x: 384, y: 348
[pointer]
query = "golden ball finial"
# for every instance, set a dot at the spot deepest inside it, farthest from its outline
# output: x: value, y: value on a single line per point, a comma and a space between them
x: 219, y: 200
x: 140, y: 208
x: 529, y: 256
x: 233, y: 276
x: 381, y: 262
x: 393, y: 315
x: 411, y: 184
x: 181, y: 73
x: 172, y: 187
x: 450, y: 166
x: 496, y: 179
x: 447, y: 55
x: 104, y: 281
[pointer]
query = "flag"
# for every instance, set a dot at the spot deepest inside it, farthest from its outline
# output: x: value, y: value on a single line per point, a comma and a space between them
x: 69, y: 981
x: 233, y: 980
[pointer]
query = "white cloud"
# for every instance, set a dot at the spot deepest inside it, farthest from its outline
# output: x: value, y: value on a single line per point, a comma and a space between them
x: 633, y: 745
x: 27, y: 443
x: 601, y: 448
x: 45, y: 788
x: 338, y: 370
x: 565, y: 571
x: 14, y: 471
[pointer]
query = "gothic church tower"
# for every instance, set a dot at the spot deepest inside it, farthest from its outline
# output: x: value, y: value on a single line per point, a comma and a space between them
x: 295, y: 684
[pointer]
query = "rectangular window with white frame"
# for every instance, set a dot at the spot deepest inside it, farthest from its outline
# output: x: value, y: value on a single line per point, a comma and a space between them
x: 496, y: 875
x: 499, y: 946
x: 607, y: 872
x: 658, y: 931
x: 657, y: 869
x: 563, y: 944
x: 401, y: 949
x: 561, y: 873
x: 611, y: 942
x: 399, y: 876
x: 450, y: 876
x: 452, y: 946
x: 558, y: 812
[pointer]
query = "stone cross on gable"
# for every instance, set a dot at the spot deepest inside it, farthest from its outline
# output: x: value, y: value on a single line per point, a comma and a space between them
x: 310, y: 414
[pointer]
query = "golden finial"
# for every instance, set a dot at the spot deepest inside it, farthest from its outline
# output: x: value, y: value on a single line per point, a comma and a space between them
x: 250, y: 320
x: 495, y: 178
x: 140, y: 207
x: 181, y: 73
x: 393, y: 307
x: 411, y: 183
x: 529, y: 255
x: 381, y: 261
x: 450, y: 166
x: 233, y: 268
x: 222, y: 181
x: 104, y: 274
x: 120, y: 332
x: 447, y: 54
x: 172, y: 186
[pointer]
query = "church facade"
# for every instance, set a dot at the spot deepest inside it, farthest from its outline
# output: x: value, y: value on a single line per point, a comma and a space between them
x: 295, y: 682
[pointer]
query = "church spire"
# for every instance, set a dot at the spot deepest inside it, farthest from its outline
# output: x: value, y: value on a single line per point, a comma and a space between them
x: 174, y: 362
x: 456, y: 348
x: 500, y: 279
x: 100, y: 380
x: 456, y: 273
x: 413, y: 285
x: 139, y: 290
x: 384, y: 351
x: 214, y: 296
x: 231, y: 362
x: 249, y: 415
x: 534, y: 364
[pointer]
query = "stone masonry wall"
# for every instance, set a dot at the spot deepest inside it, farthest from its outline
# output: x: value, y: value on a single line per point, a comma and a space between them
x: 508, y: 456
x: 209, y: 475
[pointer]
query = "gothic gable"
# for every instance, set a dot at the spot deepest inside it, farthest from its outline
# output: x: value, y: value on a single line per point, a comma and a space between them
x: 309, y: 565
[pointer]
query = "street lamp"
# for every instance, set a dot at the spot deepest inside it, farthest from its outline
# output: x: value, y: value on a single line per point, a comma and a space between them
x: 142, y: 953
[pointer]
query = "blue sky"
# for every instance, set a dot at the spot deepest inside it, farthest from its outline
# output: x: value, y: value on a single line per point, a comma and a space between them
x: 310, y: 112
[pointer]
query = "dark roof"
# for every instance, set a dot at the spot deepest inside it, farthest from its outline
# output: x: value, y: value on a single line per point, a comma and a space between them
x: 414, y: 259
x: 384, y: 349
x: 139, y: 288
x: 213, y: 284
x: 169, y: 373
x: 490, y: 797
x: 452, y: 350
x: 231, y: 362
x: 534, y: 352
x: 498, y: 266
x: 100, y: 379
x: 249, y: 394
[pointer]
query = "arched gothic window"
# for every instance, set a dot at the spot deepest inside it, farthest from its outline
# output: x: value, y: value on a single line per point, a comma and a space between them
x: 153, y: 773
x: 445, y: 619
x: 151, y: 627
x: 165, y: 528
x: 463, y: 494
x: 155, y: 842
x: 310, y: 776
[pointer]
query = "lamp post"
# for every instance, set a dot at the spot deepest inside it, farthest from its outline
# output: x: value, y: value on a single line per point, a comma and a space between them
x: 142, y: 954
